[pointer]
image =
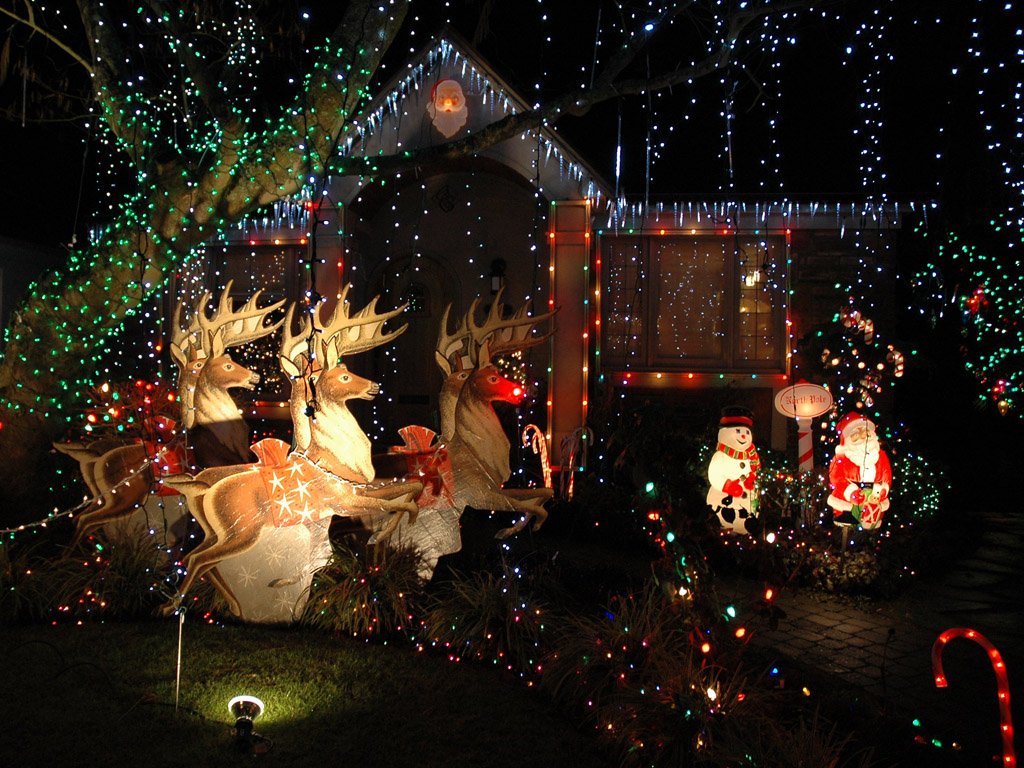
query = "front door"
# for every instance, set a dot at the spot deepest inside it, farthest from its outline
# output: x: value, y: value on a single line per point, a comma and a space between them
x: 409, y: 377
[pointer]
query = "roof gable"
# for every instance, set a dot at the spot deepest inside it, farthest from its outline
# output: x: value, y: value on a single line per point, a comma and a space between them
x: 404, y: 117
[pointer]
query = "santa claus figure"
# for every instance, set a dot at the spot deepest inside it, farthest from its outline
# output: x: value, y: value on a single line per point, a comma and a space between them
x: 733, y: 473
x: 860, y: 475
x: 447, y: 107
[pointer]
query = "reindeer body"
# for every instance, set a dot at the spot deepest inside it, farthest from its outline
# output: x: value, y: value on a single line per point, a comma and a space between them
x: 479, y: 452
x: 120, y: 477
x: 219, y: 434
x: 327, y: 476
x: 471, y: 433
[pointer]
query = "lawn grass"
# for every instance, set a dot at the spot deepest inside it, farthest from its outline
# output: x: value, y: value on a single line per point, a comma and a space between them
x: 103, y: 694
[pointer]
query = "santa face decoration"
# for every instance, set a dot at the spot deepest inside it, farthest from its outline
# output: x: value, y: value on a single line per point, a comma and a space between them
x: 860, y: 475
x: 447, y: 107
x: 732, y: 474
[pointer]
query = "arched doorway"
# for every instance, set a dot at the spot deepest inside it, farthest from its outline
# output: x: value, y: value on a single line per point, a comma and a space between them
x: 407, y: 372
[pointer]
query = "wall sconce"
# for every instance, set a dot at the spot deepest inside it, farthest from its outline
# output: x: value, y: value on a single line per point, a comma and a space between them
x: 498, y: 267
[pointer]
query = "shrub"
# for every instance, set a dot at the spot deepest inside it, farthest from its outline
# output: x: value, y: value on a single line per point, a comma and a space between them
x: 122, y: 578
x: 638, y: 675
x: 488, y: 617
x: 365, y: 596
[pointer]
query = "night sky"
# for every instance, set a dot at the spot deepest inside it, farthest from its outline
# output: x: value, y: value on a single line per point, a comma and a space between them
x: 50, y: 173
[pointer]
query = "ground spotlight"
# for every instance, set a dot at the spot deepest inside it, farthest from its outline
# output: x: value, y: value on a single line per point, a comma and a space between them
x: 245, y: 709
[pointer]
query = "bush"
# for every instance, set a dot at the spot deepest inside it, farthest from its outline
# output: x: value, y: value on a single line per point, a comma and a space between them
x: 122, y: 579
x: 638, y: 675
x: 365, y: 596
x: 489, y: 617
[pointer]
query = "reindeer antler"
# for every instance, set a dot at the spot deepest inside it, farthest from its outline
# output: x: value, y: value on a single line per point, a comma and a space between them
x: 229, y: 328
x: 503, y: 335
x: 351, y: 334
x: 341, y: 334
x: 450, y: 346
x: 184, y: 339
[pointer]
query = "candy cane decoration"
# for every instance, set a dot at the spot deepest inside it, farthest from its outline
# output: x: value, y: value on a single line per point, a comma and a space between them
x: 805, y: 444
x: 539, y: 444
x: 1002, y: 683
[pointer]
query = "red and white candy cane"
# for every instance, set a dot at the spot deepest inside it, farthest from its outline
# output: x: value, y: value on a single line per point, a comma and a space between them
x: 1002, y: 683
x: 805, y: 444
x: 539, y: 444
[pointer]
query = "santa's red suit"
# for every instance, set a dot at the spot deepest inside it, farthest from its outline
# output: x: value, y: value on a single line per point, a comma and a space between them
x: 860, y: 475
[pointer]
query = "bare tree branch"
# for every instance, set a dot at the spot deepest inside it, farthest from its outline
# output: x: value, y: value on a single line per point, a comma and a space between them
x: 107, y: 75
x: 30, y: 21
x: 577, y: 102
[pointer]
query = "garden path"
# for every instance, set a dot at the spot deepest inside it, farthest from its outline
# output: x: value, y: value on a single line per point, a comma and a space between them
x: 884, y: 649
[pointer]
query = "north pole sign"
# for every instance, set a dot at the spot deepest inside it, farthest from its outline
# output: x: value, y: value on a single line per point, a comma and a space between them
x: 803, y: 401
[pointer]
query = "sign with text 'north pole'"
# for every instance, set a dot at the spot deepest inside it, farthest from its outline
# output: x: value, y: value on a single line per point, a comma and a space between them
x: 803, y: 401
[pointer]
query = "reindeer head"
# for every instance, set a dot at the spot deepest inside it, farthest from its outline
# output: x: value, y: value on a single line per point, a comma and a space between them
x: 312, y: 357
x: 200, y: 350
x: 489, y: 385
x: 465, y: 353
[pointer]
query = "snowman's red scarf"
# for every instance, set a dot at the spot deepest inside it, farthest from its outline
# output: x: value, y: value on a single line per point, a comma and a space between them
x: 747, y: 454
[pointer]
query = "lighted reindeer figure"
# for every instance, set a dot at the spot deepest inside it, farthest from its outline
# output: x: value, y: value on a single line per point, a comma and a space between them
x: 120, y: 476
x: 218, y: 434
x: 475, y: 440
x: 331, y: 475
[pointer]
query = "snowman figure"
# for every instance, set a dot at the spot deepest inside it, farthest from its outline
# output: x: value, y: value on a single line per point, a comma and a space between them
x: 860, y: 475
x: 733, y: 473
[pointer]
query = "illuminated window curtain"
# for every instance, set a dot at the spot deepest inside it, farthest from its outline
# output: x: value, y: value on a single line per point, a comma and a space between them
x: 622, y: 303
x: 689, y: 276
x: 694, y: 302
x: 760, y: 305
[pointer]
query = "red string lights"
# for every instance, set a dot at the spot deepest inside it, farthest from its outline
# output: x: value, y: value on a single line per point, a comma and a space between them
x: 1002, y: 683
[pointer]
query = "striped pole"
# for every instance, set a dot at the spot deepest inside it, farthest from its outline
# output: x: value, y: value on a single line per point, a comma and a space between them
x: 805, y: 445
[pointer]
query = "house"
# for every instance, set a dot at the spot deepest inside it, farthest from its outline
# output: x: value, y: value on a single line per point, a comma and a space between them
x: 674, y: 299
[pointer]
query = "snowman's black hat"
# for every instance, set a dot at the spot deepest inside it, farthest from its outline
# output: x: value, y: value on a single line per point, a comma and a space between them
x: 736, y: 416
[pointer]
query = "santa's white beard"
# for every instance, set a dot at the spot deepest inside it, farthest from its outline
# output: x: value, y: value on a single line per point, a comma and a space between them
x: 868, y: 458
x: 448, y: 123
x: 863, y: 455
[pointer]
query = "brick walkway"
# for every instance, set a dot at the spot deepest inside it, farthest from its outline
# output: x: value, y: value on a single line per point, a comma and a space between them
x: 884, y: 649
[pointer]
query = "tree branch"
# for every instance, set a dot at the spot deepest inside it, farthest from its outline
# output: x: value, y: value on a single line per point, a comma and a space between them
x: 577, y: 102
x: 31, y: 23
x: 190, y: 59
x: 116, y: 104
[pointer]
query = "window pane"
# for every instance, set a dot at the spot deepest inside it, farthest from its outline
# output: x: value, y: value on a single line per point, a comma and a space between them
x: 759, y: 269
x: 693, y: 302
x: 690, y: 295
x: 622, y: 310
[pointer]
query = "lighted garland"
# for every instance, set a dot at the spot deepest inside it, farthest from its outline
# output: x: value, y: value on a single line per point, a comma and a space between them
x: 984, y: 287
x: 226, y: 161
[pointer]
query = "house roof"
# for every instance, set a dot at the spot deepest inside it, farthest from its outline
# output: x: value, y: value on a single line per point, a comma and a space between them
x: 397, y: 120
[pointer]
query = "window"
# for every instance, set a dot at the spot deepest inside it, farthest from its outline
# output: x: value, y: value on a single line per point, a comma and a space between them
x: 696, y: 302
x: 277, y: 271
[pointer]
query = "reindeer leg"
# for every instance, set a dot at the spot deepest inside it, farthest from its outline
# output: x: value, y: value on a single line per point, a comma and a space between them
x: 366, y: 506
x: 203, y: 561
x: 112, y: 506
x: 396, y: 491
x: 530, y: 501
x: 196, y: 506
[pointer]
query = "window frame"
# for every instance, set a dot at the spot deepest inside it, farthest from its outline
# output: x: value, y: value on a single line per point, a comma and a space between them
x: 648, y: 358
